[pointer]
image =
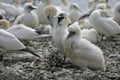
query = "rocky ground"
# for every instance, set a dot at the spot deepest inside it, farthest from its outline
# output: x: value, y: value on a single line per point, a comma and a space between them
x: 51, y: 65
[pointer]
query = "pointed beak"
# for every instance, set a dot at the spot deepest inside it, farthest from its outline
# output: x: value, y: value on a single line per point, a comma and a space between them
x: 33, y: 7
x: 78, y: 9
x: 84, y: 16
x: 60, y: 19
x: 70, y: 34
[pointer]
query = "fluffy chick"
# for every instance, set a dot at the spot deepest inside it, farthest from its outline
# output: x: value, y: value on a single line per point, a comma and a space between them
x: 81, y: 52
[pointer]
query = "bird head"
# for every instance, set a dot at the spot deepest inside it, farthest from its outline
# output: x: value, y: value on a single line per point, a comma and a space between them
x: 108, y: 6
x: 104, y: 6
x: 4, y: 24
x: 80, y: 22
x: 62, y: 19
x: 47, y: 2
x: 102, y: 1
x: 103, y: 13
x: 30, y: 1
x: 50, y: 11
x: 16, y: 2
x: 29, y: 7
x: 74, y: 31
x: 74, y: 6
x: 91, y: 2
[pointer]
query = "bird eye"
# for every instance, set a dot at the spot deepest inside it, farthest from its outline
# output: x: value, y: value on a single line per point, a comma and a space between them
x: 29, y: 7
x: 75, y: 7
x: 61, y: 15
x: 71, y: 33
x: 102, y: 8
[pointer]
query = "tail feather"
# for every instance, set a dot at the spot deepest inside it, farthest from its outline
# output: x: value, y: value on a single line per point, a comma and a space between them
x: 30, y: 50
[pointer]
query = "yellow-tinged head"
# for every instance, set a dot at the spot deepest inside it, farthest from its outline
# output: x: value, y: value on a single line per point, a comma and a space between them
x: 74, y: 6
x: 80, y: 22
x: 47, y: 2
x: 103, y: 13
x: 64, y: 2
x: 104, y: 6
x: 4, y: 24
x: 62, y: 19
x: 90, y: 3
x: 50, y: 11
x: 67, y: 19
x: 30, y: 1
x: 108, y: 6
x: 74, y: 30
x: 71, y: 6
x: 17, y: 2
x: 102, y: 1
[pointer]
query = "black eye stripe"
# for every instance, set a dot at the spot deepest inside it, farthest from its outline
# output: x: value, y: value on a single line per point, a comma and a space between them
x: 71, y: 33
x: 59, y: 19
x: 61, y: 15
x: 29, y: 6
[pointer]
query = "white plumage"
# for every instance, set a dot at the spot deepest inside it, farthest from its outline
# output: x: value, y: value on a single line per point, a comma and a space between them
x: 40, y: 11
x: 74, y: 12
x: 116, y: 10
x: 50, y: 11
x: 62, y: 22
x: 22, y: 32
x: 28, y: 18
x: 10, y: 10
x: 82, y: 52
x: 90, y: 34
x: 18, y: 5
x: 102, y: 24
x: 64, y: 6
x: 9, y: 42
